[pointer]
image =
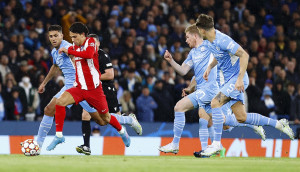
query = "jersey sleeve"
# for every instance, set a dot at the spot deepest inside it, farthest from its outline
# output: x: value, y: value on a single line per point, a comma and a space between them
x: 105, y: 60
x: 88, y: 51
x: 67, y: 45
x: 52, y: 54
x: 189, y: 60
x: 228, y: 44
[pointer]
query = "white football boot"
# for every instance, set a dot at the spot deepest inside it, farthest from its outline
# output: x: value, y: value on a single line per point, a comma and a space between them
x: 169, y: 148
x: 286, y: 128
x: 136, y: 125
x: 212, y: 149
x: 260, y: 131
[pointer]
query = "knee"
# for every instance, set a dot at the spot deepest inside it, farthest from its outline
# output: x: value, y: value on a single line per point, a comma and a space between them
x: 215, y: 103
x: 60, y: 102
x: 49, y: 111
x: 101, y: 123
x: 105, y: 119
x: 178, y: 107
x: 86, y: 116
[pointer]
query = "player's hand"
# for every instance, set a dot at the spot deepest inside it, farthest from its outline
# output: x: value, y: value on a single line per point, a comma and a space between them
x: 41, y: 88
x: 63, y: 50
x: 239, y: 85
x: 206, y: 73
x: 185, y: 92
x: 168, y: 56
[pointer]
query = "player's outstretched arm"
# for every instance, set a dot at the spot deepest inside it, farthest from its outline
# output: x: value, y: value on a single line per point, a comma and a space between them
x: 244, y: 57
x: 87, y: 53
x: 209, y: 67
x: 182, y: 70
x: 52, y: 72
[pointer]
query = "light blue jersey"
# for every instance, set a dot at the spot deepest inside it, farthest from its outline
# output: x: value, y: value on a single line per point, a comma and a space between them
x: 223, y: 49
x: 198, y: 59
x: 65, y: 63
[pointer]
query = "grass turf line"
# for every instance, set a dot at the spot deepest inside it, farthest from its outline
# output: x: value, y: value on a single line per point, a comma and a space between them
x: 49, y: 163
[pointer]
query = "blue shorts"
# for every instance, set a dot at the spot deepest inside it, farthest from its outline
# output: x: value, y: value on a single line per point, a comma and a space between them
x: 202, y: 97
x: 83, y: 104
x: 235, y: 95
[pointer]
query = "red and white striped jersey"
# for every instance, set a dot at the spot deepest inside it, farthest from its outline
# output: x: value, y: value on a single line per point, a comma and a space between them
x: 86, y: 64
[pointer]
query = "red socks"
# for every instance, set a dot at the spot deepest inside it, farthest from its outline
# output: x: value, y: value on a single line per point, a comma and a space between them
x: 115, y: 123
x: 60, y: 116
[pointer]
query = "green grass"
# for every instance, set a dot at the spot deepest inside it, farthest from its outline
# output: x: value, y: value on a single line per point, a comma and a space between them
x: 45, y: 163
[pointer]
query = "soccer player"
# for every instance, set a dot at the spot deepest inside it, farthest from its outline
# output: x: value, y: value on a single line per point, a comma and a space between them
x: 229, y: 123
x: 64, y: 63
x: 198, y: 59
x: 233, y: 63
x: 87, y: 84
x: 107, y: 76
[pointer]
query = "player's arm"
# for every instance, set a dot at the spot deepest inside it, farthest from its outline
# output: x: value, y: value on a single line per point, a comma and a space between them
x: 53, y: 70
x: 213, y: 63
x: 191, y: 88
x: 244, y: 57
x: 88, y: 53
x: 182, y: 70
x: 108, y: 75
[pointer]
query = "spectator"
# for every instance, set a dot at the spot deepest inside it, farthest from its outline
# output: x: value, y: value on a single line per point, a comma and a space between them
x: 269, y: 103
x: 162, y: 45
x: 254, y: 96
x: 4, y: 68
x: 14, y: 62
x: 269, y: 28
x: 32, y: 97
x: 127, y: 103
x: 145, y: 105
x: 291, y: 90
x: 282, y: 100
x: 32, y: 41
x: 67, y: 20
x: 165, y: 102
x: 295, y: 107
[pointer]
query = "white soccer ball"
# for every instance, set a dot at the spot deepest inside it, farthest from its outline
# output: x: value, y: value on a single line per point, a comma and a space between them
x: 30, y: 148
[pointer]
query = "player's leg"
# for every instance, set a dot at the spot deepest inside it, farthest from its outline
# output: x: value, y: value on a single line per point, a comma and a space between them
x: 47, y: 120
x: 68, y: 97
x: 203, y: 128
x: 260, y: 120
x: 231, y: 122
x: 218, y: 120
x: 86, y: 134
x: 97, y: 99
x: 113, y: 106
x: 203, y: 131
x: 183, y: 105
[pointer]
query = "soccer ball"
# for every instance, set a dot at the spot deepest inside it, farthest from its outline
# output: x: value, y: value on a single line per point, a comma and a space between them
x: 30, y: 148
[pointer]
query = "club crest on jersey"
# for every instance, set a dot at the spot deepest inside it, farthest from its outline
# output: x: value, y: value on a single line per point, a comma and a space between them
x: 218, y: 48
x: 92, y: 44
x: 202, y: 49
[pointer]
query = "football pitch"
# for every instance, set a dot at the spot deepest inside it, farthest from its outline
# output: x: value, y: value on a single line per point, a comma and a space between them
x: 82, y: 163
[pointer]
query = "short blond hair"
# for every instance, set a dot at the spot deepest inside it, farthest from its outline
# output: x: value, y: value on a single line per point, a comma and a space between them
x: 193, y: 29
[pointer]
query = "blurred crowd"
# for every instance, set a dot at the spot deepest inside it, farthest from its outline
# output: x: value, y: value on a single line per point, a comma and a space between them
x: 136, y: 34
